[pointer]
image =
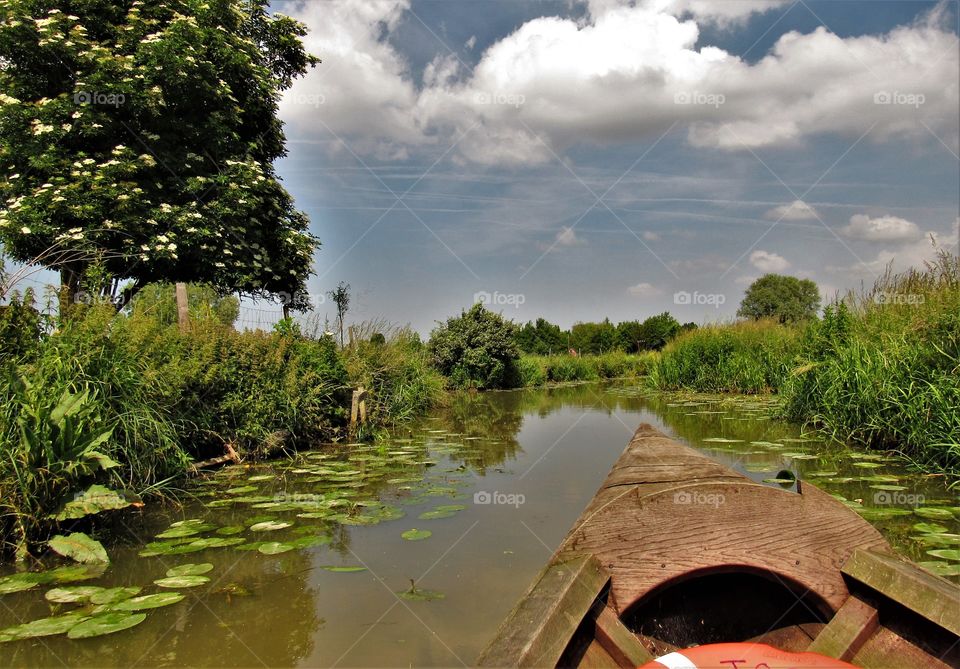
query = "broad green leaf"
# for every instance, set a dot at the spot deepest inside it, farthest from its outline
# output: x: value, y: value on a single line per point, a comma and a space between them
x: 78, y: 546
x: 275, y: 548
x: 416, y: 535
x: 71, y: 594
x: 93, y: 500
x: 114, y: 595
x: 42, y: 627
x: 269, y: 526
x: 106, y: 623
x: 343, y: 570
x: 190, y: 581
x: 22, y: 581
x: 144, y: 602
x: 190, y: 569
x: 951, y: 554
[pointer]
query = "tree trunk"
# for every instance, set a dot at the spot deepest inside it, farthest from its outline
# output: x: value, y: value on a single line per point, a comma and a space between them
x: 183, y: 308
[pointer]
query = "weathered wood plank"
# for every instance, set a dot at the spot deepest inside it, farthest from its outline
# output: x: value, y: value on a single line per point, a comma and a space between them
x: 597, y: 657
x: 887, y: 650
x: 934, y: 598
x: 845, y: 634
x: 539, y: 628
x: 646, y: 539
x: 622, y: 644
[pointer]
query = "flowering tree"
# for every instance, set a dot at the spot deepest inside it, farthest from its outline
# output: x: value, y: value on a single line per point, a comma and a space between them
x: 140, y: 136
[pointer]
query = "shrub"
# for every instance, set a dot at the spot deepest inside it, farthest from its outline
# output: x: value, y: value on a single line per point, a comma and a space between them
x: 477, y: 349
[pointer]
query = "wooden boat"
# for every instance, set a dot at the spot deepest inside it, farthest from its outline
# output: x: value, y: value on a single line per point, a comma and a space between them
x: 676, y: 550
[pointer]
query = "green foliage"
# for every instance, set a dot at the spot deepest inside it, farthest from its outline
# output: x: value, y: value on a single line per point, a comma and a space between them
x: 396, y: 370
x: 540, y: 370
x: 748, y: 357
x: 594, y: 338
x: 20, y: 327
x: 656, y: 331
x: 883, y: 368
x: 159, y: 301
x: 784, y: 298
x: 195, y: 197
x: 477, y: 349
x: 541, y: 338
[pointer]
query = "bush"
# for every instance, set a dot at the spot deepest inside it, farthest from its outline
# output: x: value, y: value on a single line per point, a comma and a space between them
x: 478, y: 349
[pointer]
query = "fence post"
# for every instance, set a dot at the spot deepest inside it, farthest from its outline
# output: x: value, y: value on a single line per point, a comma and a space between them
x: 183, y: 309
x: 358, y: 408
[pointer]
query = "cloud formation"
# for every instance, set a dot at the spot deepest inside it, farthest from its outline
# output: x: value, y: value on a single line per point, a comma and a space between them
x: 798, y: 210
x: 881, y: 229
x: 766, y: 261
x: 626, y: 72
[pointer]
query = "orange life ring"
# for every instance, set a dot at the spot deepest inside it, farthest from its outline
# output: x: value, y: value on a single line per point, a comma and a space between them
x: 743, y: 656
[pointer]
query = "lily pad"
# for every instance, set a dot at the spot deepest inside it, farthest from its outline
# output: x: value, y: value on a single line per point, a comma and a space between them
x: 93, y: 500
x: 72, y: 594
x: 78, y: 546
x: 230, y: 530
x: 189, y: 530
x: 416, y: 535
x: 190, y: 569
x: 722, y: 440
x: 930, y: 528
x: 269, y: 526
x: 933, y: 513
x: 420, y: 594
x: 42, y: 627
x: 941, y: 568
x: 22, y: 581
x: 312, y: 540
x: 114, y: 595
x: 432, y: 515
x: 106, y: 623
x: 144, y: 602
x: 275, y: 547
x: 951, y: 554
x: 343, y: 570
x: 189, y: 581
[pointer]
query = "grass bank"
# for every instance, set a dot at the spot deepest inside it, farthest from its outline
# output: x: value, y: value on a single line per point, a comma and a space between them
x: 880, y: 368
x: 129, y: 402
x: 539, y: 370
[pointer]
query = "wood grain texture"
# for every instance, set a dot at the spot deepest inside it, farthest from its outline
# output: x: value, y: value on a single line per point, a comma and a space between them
x: 667, y: 512
x: 846, y: 633
x: 538, y: 629
x: 934, y: 598
x: 619, y: 642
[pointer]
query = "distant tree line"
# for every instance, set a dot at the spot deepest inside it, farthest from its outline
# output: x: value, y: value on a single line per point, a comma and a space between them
x: 542, y: 337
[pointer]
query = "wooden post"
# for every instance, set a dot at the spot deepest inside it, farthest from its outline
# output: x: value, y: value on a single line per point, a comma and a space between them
x: 183, y: 308
x: 358, y: 408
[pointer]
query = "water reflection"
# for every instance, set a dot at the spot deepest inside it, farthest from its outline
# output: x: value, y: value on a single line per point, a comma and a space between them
x: 553, y: 447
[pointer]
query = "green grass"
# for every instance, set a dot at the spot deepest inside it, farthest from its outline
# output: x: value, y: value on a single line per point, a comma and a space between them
x: 881, y: 368
x: 539, y: 370
x: 747, y: 357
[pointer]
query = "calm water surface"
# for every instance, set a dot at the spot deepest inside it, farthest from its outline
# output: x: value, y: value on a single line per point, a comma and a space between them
x: 538, y: 456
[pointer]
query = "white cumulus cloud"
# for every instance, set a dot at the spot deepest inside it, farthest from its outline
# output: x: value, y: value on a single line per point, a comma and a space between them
x: 881, y: 229
x: 766, y: 261
x: 798, y: 210
x: 644, y: 289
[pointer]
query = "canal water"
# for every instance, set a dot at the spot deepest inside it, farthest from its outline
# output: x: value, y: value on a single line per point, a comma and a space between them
x: 313, y: 558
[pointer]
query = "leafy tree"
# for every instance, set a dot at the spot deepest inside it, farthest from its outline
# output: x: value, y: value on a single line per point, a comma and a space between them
x: 476, y: 349
x: 785, y: 298
x: 341, y: 298
x: 630, y: 336
x: 657, y: 330
x: 594, y: 338
x: 159, y: 300
x: 139, y: 137
x: 21, y: 326
x: 541, y: 338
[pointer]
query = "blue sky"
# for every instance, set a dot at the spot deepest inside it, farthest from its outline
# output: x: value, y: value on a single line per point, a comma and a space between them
x: 577, y: 160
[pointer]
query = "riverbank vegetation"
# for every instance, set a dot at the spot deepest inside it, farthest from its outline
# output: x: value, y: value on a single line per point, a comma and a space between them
x: 880, y: 368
